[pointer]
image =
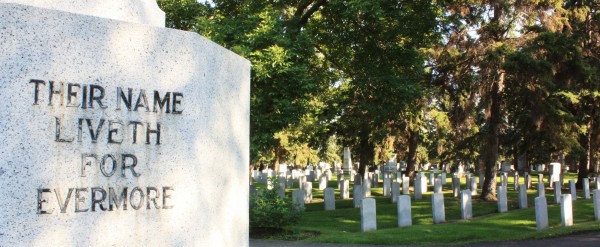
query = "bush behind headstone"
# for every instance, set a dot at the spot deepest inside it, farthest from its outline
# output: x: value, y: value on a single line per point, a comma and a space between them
x: 269, y: 211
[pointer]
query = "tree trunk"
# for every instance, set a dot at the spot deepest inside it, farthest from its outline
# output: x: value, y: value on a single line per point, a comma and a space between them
x: 413, y: 144
x: 366, y: 152
x: 491, y: 143
x: 277, y: 158
x: 585, y: 140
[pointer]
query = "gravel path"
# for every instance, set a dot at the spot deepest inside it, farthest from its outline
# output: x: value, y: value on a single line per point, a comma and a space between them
x: 576, y: 240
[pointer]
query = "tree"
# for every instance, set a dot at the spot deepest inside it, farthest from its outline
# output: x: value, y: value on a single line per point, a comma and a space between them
x: 373, y: 45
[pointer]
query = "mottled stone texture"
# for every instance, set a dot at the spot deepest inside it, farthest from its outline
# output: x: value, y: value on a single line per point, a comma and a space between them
x: 136, y: 11
x: 188, y: 187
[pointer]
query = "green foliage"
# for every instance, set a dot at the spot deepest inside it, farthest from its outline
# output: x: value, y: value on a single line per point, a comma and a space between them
x: 268, y: 210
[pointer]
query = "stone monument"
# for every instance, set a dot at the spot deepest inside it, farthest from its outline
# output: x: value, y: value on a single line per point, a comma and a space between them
x: 118, y: 131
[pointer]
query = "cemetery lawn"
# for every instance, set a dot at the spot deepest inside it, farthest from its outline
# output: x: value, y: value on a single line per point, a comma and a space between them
x: 343, y: 224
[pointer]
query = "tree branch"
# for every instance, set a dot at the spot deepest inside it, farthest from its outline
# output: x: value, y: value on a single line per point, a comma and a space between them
x: 310, y: 12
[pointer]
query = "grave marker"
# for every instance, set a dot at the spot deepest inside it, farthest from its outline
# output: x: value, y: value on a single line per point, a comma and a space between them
x: 541, y: 213
x: 566, y: 210
x: 466, y: 208
x: 502, y: 200
x: 439, y: 213
x: 368, y: 216
x: 329, y: 198
x: 404, y: 211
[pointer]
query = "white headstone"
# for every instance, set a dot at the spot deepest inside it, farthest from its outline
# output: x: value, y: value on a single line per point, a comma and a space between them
x: 387, y: 186
x: 541, y: 190
x: 404, y: 211
x: 439, y: 213
x: 368, y: 216
x: 557, y: 192
x: 347, y: 161
x: 329, y: 198
x: 358, y: 195
x: 586, y: 188
x: 395, y: 191
x: 473, y: 187
x: 437, y: 187
x: 573, y: 189
x: 466, y: 208
x: 502, y: 200
x: 345, y: 189
x: 541, y: 213
x: 522, y: 196
x: 154, y: 127
x: 307, y: 187
x: 322, y: 182
x: 405, y: 185
x: 566, y: 210
x: 418, y: 187
x: 298, y: 197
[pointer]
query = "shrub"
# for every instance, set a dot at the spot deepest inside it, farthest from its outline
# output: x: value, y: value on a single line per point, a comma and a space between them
x: 267, y: 210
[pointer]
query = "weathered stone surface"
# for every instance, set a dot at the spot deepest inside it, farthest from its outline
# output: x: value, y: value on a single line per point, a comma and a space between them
x: 466, y: 208
x: 522, y: 196
x: 368, y: 216
x: 135, y: 11
x: 437, y: 205
x: 367, y: 186
x: 329, y: 198
x: 404, y: 211
x: 178, y: 147
x: 541, y: 213
x: 541, y: 190
x: 307, y: 187
x: 502, y: 200
x: 418, y: 187
x: 566, y: 210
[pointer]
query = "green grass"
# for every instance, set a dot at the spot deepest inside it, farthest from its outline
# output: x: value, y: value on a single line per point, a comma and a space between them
x: 343, y: 224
